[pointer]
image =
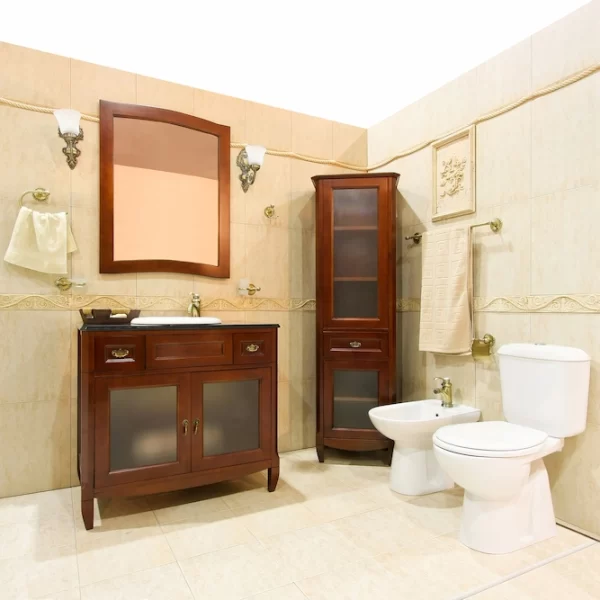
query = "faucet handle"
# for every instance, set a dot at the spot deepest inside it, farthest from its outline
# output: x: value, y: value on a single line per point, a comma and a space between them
x: 444, y: 380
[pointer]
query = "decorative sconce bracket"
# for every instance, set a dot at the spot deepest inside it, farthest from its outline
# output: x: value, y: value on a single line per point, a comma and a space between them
x: 71, y: 151
x: 248, y: 174
x: 249, y: 160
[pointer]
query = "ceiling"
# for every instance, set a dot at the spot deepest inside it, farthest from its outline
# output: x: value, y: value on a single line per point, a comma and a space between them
x: 351, y: 61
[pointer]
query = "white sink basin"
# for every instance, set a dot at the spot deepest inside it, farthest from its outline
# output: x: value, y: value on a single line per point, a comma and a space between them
x: 415, y: 470
x: 175, y: 321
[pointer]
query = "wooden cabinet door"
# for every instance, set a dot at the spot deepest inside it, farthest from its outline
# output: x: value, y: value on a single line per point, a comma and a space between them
x: 142, y: 428
x: 231, y: 417
x: 350, y: 389
x: 354, y: 243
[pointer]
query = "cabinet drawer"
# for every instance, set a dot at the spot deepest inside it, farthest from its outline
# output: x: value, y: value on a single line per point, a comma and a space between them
x: 250, y: 348
x: 371, y: 345
x: 124, y: 353
x: 170, y: 351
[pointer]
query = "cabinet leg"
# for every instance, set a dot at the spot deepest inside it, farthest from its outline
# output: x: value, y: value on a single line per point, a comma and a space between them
x: 87, y: 512
x: 321, y: 453
x: 273, y: 478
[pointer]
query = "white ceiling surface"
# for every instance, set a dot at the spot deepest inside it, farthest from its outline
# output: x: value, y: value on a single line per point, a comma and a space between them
x: 349, y: 61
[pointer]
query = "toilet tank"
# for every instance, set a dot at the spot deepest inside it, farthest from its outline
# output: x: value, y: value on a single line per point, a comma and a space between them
x: 545, y: 387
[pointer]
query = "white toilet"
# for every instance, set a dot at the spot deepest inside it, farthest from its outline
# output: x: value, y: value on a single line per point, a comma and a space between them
x: 500, y: 465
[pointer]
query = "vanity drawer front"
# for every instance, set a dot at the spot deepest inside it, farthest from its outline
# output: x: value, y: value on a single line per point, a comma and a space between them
x: 251, y: 348
x: 371, y: 345
x: 120, y: 353
x: 170, y: 351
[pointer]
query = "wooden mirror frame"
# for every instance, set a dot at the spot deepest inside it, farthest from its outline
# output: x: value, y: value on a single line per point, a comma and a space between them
x: 108, y: 112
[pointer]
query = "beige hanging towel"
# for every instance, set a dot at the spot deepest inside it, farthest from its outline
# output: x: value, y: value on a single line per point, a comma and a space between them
x: 446, y: 292
x: 41, y: 242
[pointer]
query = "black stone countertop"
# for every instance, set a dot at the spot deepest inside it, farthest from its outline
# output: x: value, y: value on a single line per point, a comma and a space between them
x: 127, y: 327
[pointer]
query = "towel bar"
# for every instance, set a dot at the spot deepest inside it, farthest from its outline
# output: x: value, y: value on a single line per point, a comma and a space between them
x: 40, y: 194
x: 495, y: 226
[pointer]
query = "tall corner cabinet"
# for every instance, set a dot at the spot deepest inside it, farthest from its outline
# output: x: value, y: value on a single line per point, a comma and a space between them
x: 356, y: 307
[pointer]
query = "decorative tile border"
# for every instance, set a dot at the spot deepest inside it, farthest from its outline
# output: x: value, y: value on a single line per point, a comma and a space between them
x: 577, y: 303
x: 174, y: 303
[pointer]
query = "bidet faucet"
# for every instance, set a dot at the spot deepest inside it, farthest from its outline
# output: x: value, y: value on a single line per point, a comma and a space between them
x: 194, y: 306
x: 445, y: 390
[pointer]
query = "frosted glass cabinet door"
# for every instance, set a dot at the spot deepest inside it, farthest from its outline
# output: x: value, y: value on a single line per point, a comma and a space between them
x: 352, y: 390
x: 354, y: 252
x: 142, y: 427
x: 227, y: 423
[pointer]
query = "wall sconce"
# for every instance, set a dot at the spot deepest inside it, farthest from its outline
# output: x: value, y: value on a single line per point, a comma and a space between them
x: 250, y: 160
x: 70, y: 131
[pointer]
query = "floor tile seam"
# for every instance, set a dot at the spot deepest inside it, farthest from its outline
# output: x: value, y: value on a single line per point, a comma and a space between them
x: 184, y: 519
x: 346, y: 565
x: 350, y: 516
x: 187, y: 583
x: 87, y: 585
x: 32, y: 553
x: 84, y: 537
x: 499, y: 580
x: 164, y: 564
x: 227, y: 547
x: 523, y: 571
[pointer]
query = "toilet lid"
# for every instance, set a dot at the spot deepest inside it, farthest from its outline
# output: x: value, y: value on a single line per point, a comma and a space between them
x: 496, y: 438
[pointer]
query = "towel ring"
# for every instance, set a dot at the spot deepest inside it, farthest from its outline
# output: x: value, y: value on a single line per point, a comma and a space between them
x: 39, y: 194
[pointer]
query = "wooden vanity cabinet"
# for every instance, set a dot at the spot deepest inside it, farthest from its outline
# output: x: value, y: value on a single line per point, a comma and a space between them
x: 168, y: 408
x: 356, y: 307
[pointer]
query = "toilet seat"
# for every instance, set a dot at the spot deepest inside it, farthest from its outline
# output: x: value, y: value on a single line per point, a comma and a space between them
x: 496, y: 439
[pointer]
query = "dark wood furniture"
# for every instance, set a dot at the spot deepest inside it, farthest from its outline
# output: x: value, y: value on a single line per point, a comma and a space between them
x: 171, y: 407
x: 356, y: 307
x: 163, y: 149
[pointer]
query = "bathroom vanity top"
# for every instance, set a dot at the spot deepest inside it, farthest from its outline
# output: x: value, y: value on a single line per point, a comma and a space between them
x: 127, y: 327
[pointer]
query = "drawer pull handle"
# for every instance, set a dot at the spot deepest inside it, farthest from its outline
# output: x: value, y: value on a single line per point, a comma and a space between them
x: 185, y: 426
x: 252, y: 347
x: 120, y: 353
x: 355, y: 344
x: 196, y: 423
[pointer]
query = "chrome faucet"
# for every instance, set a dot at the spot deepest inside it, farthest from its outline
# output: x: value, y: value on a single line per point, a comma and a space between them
x: 445, y: 390
x: 194, y: 306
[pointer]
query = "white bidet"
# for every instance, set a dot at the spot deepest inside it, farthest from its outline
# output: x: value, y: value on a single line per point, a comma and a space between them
x: 415, y: 470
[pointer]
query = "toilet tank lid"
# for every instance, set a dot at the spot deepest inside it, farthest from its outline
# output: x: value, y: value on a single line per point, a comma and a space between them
x: 544, y: 352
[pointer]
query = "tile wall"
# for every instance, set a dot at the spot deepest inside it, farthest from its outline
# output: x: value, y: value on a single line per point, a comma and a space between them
x: 538, y: 169
x: 37, y: 334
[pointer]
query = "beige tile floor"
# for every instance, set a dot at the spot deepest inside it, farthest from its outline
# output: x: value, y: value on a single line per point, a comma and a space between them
x: 330, y: 532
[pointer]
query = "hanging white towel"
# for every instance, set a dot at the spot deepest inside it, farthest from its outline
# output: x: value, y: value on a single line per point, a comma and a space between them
x: 446, y: 292
x: 41, y: 242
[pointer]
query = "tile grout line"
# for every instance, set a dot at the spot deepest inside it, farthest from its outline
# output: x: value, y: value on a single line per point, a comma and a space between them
x: 523, y: 571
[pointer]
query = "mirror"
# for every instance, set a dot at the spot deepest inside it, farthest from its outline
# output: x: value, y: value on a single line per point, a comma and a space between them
x: 164, y: 192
